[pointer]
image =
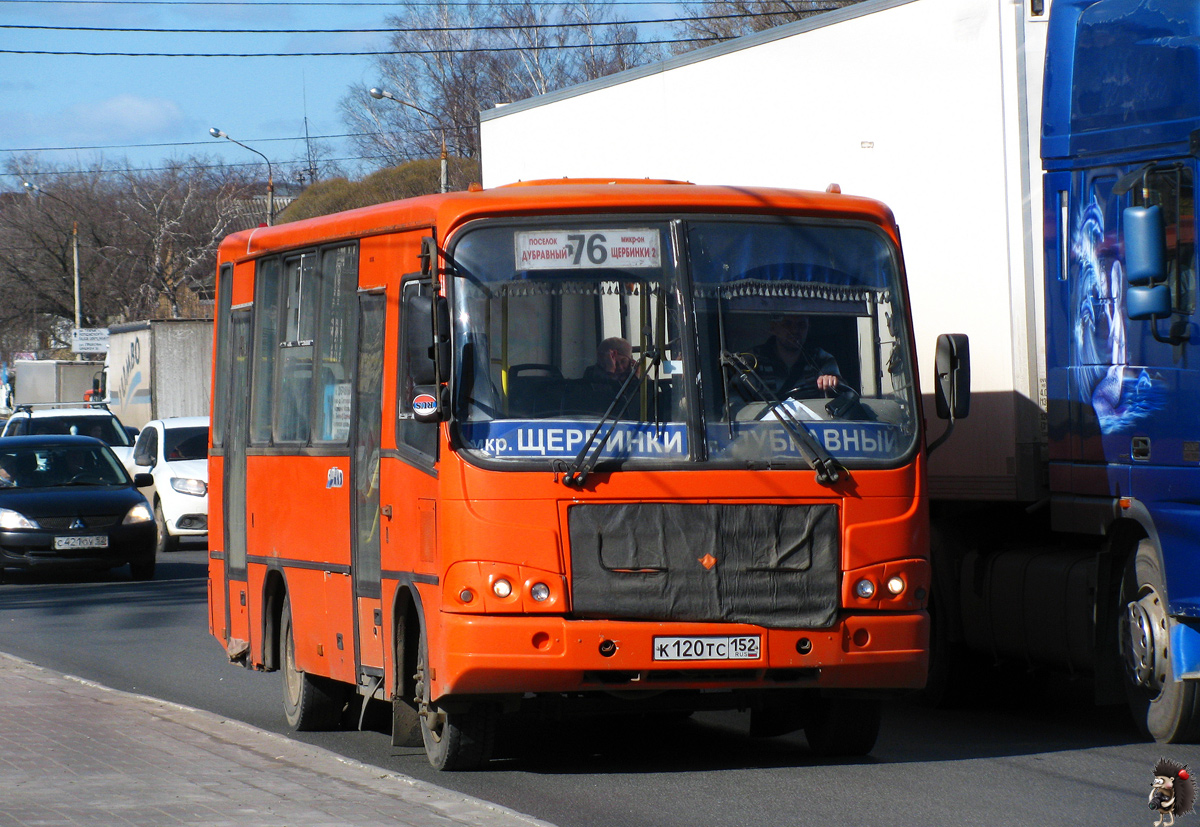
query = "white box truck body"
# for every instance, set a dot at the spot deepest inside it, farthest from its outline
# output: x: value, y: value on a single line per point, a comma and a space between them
x: 158, y: 369
x: 52, y: 381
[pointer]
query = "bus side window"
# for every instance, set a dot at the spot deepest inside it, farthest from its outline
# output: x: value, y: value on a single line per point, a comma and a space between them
x: 418, y: 436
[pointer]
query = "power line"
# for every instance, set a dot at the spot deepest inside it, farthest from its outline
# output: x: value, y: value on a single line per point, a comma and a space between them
x: 181, y: 143
x: 415, y: 52
x: 403, y: 30
x: 317, y: 3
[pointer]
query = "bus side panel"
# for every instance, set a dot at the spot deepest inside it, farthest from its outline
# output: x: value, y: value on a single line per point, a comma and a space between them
x: 299, y: 513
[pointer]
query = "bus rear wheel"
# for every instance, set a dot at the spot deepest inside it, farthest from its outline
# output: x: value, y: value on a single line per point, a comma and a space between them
x: 459, y: 739
x: 1166, y: 709
x: 842, y: 727
x: 310, y: 703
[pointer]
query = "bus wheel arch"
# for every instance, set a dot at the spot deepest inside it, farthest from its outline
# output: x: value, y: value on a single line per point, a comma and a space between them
x: 274, y: 596
x: 406, y: 637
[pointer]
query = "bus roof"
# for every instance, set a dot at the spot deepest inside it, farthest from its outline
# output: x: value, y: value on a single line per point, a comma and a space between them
x: 564, y: 196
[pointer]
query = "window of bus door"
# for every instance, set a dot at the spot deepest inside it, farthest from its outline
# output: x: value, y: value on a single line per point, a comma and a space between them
x: 560, y: 323
x: 266, y: 346
x: 801, y: 321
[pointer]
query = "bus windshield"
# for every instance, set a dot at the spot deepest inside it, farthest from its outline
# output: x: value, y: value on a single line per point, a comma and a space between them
x: 665, y: 342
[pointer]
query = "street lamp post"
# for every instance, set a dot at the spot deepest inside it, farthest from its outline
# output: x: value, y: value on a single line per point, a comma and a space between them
x: 379, y: 94
x: 216, y: 133
x: 34, y: 188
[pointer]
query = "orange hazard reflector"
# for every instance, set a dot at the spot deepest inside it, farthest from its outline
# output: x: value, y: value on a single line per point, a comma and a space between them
x: 708, y: 561
x: 1126, y: 503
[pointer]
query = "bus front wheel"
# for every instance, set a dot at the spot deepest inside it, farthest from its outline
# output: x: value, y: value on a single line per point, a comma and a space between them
x: 842, y: 727
x: 461, y: 739
x: 310, y: 703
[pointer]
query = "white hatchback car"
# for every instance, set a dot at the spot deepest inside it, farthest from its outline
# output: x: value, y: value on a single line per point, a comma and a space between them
x: 175, y: 452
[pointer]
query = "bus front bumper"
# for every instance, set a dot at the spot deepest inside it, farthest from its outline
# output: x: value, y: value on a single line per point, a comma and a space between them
x: 505, y: 655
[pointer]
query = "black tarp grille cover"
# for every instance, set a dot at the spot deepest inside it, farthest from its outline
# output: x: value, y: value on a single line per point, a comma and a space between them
x: 770, y: 565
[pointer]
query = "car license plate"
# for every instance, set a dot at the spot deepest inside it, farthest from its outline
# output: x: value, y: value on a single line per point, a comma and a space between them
x: 708, y: 647
x: 86, y: 541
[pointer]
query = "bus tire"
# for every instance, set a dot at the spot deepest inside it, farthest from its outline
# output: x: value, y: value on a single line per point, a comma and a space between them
x: 310, y: 703
x: 1164, y: 708
x: 842, y: 727
x: 461, y: 739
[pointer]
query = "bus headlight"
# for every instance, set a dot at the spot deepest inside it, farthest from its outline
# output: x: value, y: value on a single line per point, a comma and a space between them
x: 501, y: 588
x: 865, y: 589
x: 540, y: 592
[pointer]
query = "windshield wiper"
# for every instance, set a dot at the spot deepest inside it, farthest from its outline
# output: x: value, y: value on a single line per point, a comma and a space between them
x: 827, y: 469
x: 575, y: 474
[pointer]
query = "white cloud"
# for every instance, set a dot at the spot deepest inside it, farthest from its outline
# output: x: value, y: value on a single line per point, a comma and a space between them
x: 125, y: 118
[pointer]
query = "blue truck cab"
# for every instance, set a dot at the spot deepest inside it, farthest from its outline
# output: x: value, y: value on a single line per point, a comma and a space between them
x: 1120, y: 142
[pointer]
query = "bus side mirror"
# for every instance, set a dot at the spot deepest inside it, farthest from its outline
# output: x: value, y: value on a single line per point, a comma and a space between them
x: 952, y: 368
x: 427, y: 353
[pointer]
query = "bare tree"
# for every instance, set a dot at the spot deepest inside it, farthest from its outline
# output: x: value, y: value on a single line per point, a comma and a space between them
x: 452, y: 62
x: 727, y: 19
x: 146, y: 245
x: 172, y: 220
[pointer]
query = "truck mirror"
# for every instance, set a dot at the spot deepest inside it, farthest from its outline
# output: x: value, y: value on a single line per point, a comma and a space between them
x: 1145, y: 303
x: 952, y: 384
x: 1145, y: 245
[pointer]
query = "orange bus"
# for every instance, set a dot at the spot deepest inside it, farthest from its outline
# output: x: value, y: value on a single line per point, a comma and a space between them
x: 576, y: 445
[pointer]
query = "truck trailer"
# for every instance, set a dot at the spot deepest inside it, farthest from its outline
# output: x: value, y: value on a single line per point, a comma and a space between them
x: 1040, y: 159
x: 158, y: 369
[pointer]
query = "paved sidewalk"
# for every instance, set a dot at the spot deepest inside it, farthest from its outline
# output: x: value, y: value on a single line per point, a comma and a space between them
x: 73, y: 753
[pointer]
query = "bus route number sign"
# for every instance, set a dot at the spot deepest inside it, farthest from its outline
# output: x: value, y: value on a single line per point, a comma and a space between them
x: 585, y: 249
x: 708, y: 647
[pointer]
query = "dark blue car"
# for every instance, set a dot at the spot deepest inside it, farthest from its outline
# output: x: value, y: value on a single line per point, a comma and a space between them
x: 67, y: 502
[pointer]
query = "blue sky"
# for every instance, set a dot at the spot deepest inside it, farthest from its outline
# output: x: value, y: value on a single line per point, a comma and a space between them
x: 122, y: 103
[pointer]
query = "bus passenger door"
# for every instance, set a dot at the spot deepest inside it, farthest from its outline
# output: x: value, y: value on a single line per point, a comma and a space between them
x: 364, y: 470
x: 233, y: 510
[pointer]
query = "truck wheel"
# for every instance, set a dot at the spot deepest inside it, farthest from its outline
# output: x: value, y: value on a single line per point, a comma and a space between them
x: 454, y: 740
x: 163, y: 539
x: 842, y: 727
x: 310, y: 703
x: 1164, y: 708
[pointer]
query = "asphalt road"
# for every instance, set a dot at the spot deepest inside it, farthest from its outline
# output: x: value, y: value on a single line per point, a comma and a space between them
x: 1016, y: 749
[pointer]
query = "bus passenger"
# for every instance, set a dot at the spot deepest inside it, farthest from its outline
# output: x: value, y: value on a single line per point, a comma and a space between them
x: 789, y: 366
